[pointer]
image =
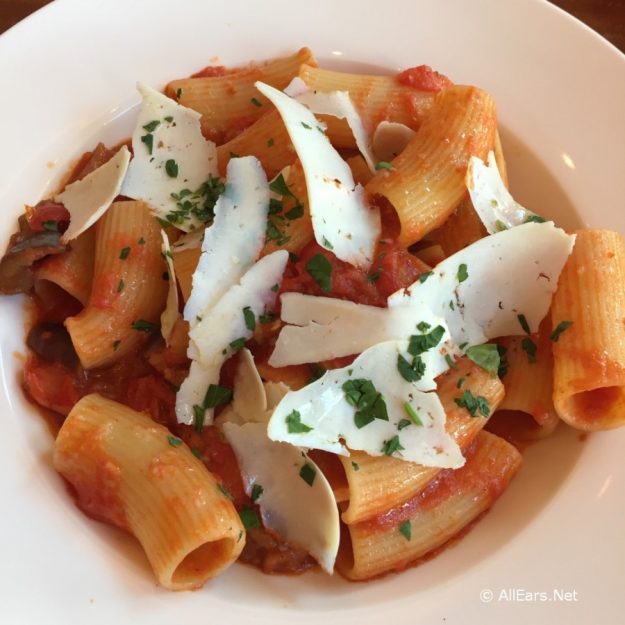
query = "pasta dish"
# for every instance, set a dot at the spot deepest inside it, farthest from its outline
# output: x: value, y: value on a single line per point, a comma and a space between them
x: 298, y: 320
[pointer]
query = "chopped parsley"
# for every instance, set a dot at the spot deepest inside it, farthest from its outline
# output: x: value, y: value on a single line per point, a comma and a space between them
x: 406, y: 530
x: 123, y: 255
x: 473, y: 404
x: 120, y: 286
x: 199, y: 412
x: 450, y: 361
x: 276, y: 219
x: 411, y: 371
x: 369, y: 403
x: 306, y: 126
x: 500, y: 225
x: 424, y: 276
x: 320, y: 268
x: 423, y: 326
x: 196, y: 452
x: 391, y: 446
x: 530, y: 349
x: 375, y: 276
x: 412, y: 414
x: 308, y: 473
x: 384, y: 165
x: 148, y: 141
x: 257, y: 491
x: 250, y: 319
x: 327, y: 244
x: 199, y: 203
x: 178, y: 93
x: 270, y: 143
x: 171, y: 167
x: 460, y: 383
x: 174, y: 441
x: 256, y: 102
x: 116, y: 344
x: 141, y: 325
x: 295, y: 213
x: 523, y: 323
x: 403, y: 423
x: 485, y: 356
x: 51, y: 225
x: 535, y: 218
x: 237, y: 344
x: 316, y: 372
x: 503, y: 361
x: 294, y: 424
x: 141, y: 241
x: 355, y: 466
x: 217, y: 396
x: 224, y: 491
x: 152, y: 126
x: 422, y: 343
x: 249, y: 518
x: 463, y: 274
x: 561, y: 327
x: 169, y: 119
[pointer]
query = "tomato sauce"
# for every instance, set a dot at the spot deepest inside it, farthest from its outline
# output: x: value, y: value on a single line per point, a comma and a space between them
x: 423, y: 78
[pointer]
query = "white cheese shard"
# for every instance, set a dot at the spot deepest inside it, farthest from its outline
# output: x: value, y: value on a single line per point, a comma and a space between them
x: 325, y: 328
x: 390, y: 139
x: 510, y: 273
x: 234, y: 240
x: 219, y: 333
x: 88, y: 199
x: 170, y: 157
x: 297, y: 501
x: 319, y: 416
x: 342, y: 221
x: 249, y: 398
x: 170, y: 315
x: 301, y: 509
x: 493, y: 203
x: 337, y: 104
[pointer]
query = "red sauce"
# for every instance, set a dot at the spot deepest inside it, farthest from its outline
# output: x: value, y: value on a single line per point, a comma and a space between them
x: 423, y: 78
x: 393, y: 268
x: 47, y: 211
x: 210, y: 71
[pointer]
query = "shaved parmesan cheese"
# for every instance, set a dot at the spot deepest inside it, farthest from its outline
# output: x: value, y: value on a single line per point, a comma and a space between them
x: 193, y: 390
x: 249, y: 393
x: 390, y: 139
x: 88, y: 199
x: 339, y: 212
x: 337, y: 104
x: 504, y: 275
x: 235, y: 239
x: 331, y: 328
x: 170, y: 157
x: 274, y: 392
x: 217, y: 335
x: 170, y: 315
x: 492, y: 201
x: 226, y: 322
x: 325, y: 419
x: 297, y: 501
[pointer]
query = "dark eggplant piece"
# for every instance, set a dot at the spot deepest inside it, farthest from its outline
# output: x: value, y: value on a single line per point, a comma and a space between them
x: 25, y: 248
x: 51, y: 341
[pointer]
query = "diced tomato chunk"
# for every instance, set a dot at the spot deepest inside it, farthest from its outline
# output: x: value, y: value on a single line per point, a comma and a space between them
x: 47, y: 213
x: 423, y: 78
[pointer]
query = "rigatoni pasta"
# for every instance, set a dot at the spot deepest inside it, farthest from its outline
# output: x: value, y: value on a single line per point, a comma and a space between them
x: 402, y: 535
x: 133, y: 473
x: 129, y: 287
x: 426, y: 181
x: 589, y: 333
